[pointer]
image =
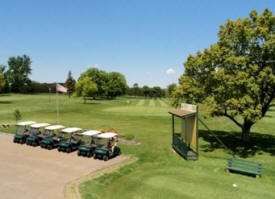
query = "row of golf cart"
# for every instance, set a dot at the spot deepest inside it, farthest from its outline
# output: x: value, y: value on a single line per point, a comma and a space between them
x: 88, y: 143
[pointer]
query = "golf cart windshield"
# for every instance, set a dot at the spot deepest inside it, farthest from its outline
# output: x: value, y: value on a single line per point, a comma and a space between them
x: 48, y: 133
x: 34, y: 131
x: 87, y: 140
x: 102, y: 143
x: 20, y: 129
x: 76, y: 137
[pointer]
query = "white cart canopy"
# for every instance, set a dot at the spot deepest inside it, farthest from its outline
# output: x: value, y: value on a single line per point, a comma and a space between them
x: 71, y: 130
x: 91, y: 132
x: 25, y: 123
x: 39, y: 125
x: 55, y: 127
x: 107, y: 135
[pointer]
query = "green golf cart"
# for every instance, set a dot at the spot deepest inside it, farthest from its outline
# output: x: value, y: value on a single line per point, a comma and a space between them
x: 51, y: 136
x: 106, y: 146
x: 22, y: 129
x: 88, y: 143
x: 35, y: 131
x: 71, y: 141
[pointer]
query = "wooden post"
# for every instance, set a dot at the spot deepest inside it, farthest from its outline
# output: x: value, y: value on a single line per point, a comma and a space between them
x: 173, y: 129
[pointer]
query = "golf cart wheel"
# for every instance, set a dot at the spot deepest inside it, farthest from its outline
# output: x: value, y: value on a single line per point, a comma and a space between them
x: 105, y: 158
x: 14, y: 140
x: 89, y: 154
x: 21, y: 141
x: 59, y: 149
x: 49, y: 147
x: 68, y: 150
x: 79, y: 153
x: 95, y: 156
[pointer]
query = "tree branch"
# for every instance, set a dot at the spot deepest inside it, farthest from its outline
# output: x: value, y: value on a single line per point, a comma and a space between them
x: 233, y: 119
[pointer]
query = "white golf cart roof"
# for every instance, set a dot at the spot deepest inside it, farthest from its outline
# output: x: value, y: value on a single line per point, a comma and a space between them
x: 55, y: 127
x: 107, y: 135
x: 91, y: 132
x: 25, y: 123
x: 39, y: 125
x: 71, y: 130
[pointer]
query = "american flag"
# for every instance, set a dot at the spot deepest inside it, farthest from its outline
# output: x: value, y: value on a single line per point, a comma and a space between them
x: 61, y: 89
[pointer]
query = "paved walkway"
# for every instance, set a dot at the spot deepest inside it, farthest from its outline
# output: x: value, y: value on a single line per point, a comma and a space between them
x: 32, y: 172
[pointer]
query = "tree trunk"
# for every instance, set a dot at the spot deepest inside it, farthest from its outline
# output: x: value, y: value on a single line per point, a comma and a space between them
x: 246, y: 131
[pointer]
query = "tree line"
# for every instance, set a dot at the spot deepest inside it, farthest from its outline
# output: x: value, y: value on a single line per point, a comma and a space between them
x: 93, y: 83
x: 149, y: 92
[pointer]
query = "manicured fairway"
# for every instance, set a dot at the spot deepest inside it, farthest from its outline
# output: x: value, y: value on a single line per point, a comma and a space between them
x: 159, y: 172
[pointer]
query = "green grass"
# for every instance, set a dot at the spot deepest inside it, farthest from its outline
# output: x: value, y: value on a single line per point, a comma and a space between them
x: 159, y: 172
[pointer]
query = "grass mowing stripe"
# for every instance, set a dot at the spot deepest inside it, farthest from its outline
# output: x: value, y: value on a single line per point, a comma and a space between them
x: 157, y: 103
x: 141, y: 102
x: 163, y: 103
x: 146, y: 103
x: 152, y: 102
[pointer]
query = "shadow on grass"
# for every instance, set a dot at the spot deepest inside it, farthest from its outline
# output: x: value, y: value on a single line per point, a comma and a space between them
x: 259, y: 143
x: 5, y: 102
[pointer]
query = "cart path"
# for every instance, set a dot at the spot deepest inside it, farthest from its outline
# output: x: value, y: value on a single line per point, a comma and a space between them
x: 32, y: 172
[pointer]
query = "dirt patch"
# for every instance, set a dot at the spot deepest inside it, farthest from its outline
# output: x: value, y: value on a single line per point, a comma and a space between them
x: 31, y: 172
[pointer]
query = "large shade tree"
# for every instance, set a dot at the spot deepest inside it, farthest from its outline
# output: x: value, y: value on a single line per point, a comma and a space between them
x: 116, y: 85
x: 99, y: 77
x: 235, y: 77
x: 85, y: 87
x: 19, y: 68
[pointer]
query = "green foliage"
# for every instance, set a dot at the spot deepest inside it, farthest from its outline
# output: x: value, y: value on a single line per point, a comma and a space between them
x: 17, y: 115
x: 99, y: 77
x: 85, y: 87
x: 70, y: 84
x: 116, y: 85
x: 171, y: 88
x: 145, y: 91
x: 2, y: 81
x: 17, y: 74
x: 235, y: 76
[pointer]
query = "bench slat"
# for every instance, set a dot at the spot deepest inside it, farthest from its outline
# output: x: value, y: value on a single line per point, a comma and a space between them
x: 245, y: 166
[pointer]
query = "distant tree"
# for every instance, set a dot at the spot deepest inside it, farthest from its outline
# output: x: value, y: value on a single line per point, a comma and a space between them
x: 135, y: 89
x: 17, y: 74
x: 171, y: 88
x: 146, y: 91
x: 116, y: 85
x: 2, y: 82
x: 235, y: 77
x: 99, y: 77
x: 70, y: 84
x: 157, y: 92
x: 85, y: 87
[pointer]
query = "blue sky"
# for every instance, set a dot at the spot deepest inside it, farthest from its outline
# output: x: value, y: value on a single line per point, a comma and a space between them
x: 142, y: 39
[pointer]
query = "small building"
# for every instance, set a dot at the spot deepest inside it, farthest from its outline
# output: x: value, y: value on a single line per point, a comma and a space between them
x: 185, y: 142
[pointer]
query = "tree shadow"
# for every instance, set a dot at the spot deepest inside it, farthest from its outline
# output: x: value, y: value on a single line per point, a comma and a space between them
x: 5, y: 102
x: 259, y: 143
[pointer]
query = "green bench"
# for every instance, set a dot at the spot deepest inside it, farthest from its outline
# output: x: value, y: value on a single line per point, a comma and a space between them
x: 244, y: 166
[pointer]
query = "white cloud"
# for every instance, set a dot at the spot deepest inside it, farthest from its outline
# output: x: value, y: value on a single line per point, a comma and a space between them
x: 170, y: 71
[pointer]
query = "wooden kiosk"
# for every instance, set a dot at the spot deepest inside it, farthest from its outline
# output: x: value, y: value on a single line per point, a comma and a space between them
x: 185, y: 142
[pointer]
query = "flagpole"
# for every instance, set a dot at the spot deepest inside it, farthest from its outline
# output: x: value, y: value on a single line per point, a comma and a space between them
x: 57, y: 106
